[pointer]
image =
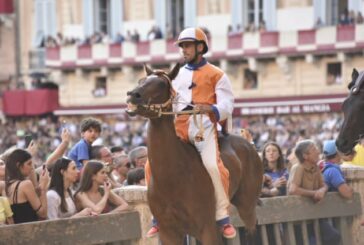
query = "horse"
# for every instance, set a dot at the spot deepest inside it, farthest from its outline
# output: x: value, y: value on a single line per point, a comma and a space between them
x: 352, y: 127
x: 180, y: 192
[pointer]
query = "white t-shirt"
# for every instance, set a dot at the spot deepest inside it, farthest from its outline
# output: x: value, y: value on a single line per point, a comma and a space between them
x: 54, y: 206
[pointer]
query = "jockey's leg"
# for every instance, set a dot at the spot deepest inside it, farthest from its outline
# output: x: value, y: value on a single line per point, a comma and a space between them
x: 210, y: 155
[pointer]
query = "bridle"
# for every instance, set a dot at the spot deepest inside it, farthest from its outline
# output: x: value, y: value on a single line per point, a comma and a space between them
x: 165, y: 108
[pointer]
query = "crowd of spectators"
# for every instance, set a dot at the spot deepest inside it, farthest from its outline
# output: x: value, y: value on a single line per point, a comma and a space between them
x: 81, y: 184
x: 128, y: 133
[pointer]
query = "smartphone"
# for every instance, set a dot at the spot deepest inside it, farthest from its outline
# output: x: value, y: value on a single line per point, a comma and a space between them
x: 28, y: 138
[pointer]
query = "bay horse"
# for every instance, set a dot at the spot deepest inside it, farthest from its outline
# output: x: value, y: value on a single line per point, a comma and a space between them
x: 353, y: 107
x: 180, y: 193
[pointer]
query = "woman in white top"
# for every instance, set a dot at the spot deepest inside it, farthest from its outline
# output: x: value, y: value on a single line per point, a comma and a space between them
x: 59, y: 196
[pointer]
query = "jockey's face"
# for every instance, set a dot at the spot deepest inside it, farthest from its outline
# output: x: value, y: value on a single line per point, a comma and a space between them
x: 189, y: 50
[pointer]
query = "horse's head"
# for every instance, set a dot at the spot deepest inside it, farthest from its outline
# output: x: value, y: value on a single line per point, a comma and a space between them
x: 353, y: 108
x: 153, y: 94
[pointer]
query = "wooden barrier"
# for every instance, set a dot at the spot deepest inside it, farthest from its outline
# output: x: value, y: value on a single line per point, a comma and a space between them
x: 277, y: 216
x: 281, y: 212
x: 122, y: 228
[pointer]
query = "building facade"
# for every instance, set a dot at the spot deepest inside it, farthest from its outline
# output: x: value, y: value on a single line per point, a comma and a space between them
x: 282, y: 56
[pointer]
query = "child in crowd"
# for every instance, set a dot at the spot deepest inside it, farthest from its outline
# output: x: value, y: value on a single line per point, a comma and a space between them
x: 80, y: 152
x: 61, y: 203
x: 26, y: 205
x: 90, y: 195
x: 6, y: 215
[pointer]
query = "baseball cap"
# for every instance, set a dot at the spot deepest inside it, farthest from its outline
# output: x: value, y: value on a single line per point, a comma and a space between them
x: 329, y: 148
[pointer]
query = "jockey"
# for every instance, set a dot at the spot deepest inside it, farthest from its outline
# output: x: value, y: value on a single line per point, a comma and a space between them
x: 205, y: 88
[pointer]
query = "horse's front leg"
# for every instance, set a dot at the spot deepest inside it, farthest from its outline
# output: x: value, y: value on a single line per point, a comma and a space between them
x: 170, y: 236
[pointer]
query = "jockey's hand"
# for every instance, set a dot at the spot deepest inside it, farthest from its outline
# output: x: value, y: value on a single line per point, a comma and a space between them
x: 203, y: 108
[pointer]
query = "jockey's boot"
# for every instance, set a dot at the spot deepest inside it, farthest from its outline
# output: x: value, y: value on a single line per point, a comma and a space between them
x: 228, y: 231
x: 153, y: 231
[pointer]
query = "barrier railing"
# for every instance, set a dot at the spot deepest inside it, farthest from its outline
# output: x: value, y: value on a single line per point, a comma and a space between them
x: 277, y: 217
x: 121, y: 229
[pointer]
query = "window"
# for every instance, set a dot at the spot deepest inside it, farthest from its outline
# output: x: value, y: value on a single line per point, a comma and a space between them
x: 337, y: 12
x: 45, y: 21
x: 253, y: 16
x: 100, y: 87
x: 250, y: 79
x: 333, y: 75
x: 102, y: 16
x: 175, y: 17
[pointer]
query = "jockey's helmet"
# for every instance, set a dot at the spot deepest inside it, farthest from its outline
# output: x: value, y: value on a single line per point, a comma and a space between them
x: 194, y: 35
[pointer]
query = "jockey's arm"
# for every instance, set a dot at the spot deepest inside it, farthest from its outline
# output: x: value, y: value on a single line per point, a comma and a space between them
x: 224, y: 106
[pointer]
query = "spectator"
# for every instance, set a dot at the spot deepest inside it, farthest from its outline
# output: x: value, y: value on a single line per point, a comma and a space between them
x: 230, y: 30
x: 90, y: 131
x: 138, y: 156
x: 352, y: 17
x: 305, y: 179
x: 318, y: 23
x: 122, y: 167
x: 117, y: 150
x: 333, y: 176
x: 359, y: 18
x: 136, y: 176
x: 6, y: 215
x: 90, y: 195
x: 136, y: 36
x: 262, y: 26
x: 60, y: 199
x: 25, y: 203
x: 274, y: 167
x: 119, y: 38
x: 103, y: 154
x: 344, y: 18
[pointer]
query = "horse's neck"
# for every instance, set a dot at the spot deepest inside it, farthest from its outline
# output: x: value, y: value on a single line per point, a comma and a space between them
x: 163, y: 146
x: 161, y: 131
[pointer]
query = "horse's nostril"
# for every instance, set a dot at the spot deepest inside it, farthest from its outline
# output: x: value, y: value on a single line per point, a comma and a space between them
x: 137, y: 95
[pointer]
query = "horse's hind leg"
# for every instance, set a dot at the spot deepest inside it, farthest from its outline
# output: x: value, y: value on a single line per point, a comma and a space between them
x: 170, y: 237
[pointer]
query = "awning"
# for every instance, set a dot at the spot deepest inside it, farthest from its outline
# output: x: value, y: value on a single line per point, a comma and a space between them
x: 289, y: 105
x: 30, y: 103
x: 242, y: 107
x: 6, y: 7
x: 91, y: 110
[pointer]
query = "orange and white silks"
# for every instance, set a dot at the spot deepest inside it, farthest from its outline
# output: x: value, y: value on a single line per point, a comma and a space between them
x: 206, y: 85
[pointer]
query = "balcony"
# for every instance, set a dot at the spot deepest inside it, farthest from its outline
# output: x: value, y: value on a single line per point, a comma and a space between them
x: 6, y: 7
x: 326, y: 40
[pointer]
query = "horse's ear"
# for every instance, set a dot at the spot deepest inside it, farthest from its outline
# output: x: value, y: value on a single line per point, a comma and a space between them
x: 174, y: 72
x: 148, y: 70
x: 354, y: 75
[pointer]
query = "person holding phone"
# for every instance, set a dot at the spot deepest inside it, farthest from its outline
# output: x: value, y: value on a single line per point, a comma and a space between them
x: 26, y: 204
x: 91, y: 195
